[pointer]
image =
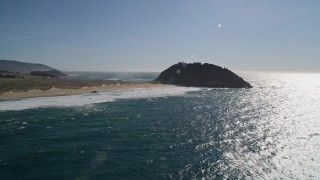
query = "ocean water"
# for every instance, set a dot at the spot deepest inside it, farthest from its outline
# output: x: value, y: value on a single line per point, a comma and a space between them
x: 125, y: 76
x: 271, y: 131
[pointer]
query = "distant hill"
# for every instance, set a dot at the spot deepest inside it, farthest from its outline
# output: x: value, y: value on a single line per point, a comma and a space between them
x: 22, y: 67
x: 51, y: 73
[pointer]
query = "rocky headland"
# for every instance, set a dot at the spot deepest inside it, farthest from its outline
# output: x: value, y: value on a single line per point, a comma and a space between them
x: 201, y: 75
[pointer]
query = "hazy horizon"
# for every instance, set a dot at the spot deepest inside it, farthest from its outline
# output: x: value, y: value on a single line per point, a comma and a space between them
x: 149, y: 36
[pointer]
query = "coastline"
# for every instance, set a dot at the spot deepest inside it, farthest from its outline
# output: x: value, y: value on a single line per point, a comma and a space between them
x: 71, y: 91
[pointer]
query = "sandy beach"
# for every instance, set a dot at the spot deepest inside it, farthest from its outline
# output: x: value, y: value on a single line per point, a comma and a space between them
x: 69, y: 91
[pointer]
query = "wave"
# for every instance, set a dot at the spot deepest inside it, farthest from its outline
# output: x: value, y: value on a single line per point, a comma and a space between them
x: 91, y: 98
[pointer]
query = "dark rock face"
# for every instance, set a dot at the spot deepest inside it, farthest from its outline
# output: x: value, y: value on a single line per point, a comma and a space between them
x: 201, y: 75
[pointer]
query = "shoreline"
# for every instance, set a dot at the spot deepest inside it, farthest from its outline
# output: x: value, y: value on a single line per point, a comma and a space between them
x: 11, y: 95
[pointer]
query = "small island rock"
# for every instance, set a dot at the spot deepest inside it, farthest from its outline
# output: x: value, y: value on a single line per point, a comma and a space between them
x: 201, y: 75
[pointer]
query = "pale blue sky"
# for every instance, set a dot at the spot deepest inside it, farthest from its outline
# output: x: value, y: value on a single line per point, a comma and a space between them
x: 150, y: 35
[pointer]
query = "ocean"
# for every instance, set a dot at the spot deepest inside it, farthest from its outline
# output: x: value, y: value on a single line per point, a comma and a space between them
x: 124, y: 76
x: 271, y: 131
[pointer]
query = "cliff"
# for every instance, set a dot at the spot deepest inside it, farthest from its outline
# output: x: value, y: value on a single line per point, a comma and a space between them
x: 201, y: 75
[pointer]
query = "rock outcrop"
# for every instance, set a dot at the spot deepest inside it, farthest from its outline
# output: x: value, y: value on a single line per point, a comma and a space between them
x: 201, y: 75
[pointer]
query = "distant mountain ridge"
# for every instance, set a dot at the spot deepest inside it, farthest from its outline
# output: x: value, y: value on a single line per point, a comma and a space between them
x: 22, y: 67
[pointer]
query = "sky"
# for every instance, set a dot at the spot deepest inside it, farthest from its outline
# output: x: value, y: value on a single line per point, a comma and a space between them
x: 151, y: 35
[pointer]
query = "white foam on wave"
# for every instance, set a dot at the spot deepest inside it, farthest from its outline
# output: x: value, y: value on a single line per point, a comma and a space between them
x: 91, y: 98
